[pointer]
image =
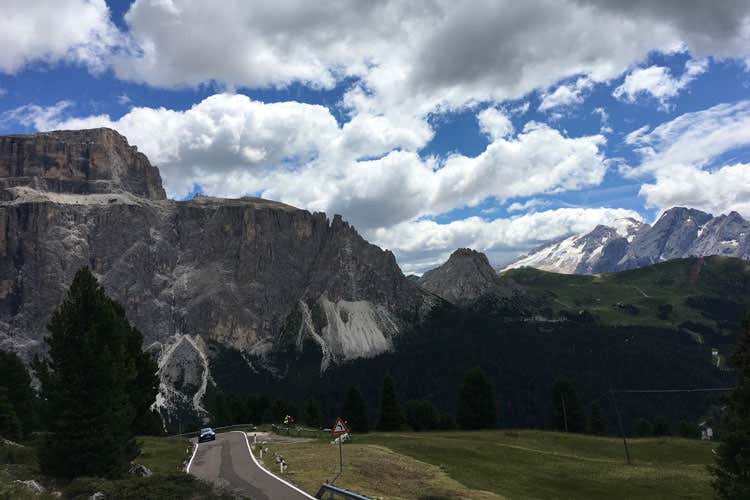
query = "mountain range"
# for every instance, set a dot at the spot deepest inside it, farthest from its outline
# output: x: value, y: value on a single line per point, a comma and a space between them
x: 253, y: 296
x: 248, y: 274
x: 627, y: 244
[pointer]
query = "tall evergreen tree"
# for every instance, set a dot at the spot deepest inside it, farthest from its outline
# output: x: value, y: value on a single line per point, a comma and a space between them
x: 597, y: 424
x: 732, y: 469
x: 476, y: 404
x: 86, y: 385
x: 145, y: 385
x: 10, y: 424
x: 566, y: 410
x: 354, y: 411
x: 421, y: 415
x: 312, y: 413
x: 391, y: 415
x: 16, y: 383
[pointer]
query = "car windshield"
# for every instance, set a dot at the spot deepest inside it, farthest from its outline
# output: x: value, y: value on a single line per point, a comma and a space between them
x: 207, y: 429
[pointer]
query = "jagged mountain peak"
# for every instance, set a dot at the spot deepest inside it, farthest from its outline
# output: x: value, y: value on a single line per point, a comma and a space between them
x: 679, y: 232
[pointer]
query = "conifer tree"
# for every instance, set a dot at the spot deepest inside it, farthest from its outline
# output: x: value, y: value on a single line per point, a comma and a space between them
x: 15, y: 382
x: 87, y: 385
x: 391, y: 415
x: 566, y: 410
x: 732, y: 469
x: 476, y: 404
x: 421, y: 415
x: 354, y: 411
x: 312, y: 413
x: 597, y: 425
x: 10, y: 424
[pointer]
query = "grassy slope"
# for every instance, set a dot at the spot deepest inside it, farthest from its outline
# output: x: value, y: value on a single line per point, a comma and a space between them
x: 512, y: 464
x: 647, y: 288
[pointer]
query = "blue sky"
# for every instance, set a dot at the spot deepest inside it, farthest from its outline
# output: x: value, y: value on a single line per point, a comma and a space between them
x: 489, y: 125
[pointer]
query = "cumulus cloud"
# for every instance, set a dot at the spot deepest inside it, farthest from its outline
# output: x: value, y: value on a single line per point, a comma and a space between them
x: 658, y: 82
x: 78, y: 31
x: 368, y: 169
x: 565, y: 95
x: 421, y: 245
x: 690, y: 160
x: 414, y: 58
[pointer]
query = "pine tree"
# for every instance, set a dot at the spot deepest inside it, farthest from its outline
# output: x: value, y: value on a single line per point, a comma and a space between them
x: 421, y: 415
x: 476, y: 405
x: 10, y: 425
x: 86, y: 385
x: 354, y: 411
x: 391, y: 415
x: 732, y: 469
x: 16, y: 383
x: 597, y: 424
x: 312, y: 413
x: 566, y: 410
x: 145, y: 385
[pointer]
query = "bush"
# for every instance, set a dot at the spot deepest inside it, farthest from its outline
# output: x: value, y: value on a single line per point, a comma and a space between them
x: 421, y: 415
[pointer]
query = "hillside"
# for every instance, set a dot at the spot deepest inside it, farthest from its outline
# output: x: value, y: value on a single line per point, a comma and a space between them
x: 702, y: 296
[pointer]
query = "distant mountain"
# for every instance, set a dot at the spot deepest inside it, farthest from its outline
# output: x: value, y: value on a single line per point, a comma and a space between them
x: 628, y: 244
x: 466, y: 276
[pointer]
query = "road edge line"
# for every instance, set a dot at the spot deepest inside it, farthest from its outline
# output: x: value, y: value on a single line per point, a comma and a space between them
x: 195, y: 450
x: 247, y: 442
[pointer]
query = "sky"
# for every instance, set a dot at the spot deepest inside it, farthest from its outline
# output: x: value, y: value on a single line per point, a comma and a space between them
x: 433, y: 125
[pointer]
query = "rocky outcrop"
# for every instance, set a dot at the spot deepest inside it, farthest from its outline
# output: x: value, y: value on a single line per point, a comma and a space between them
x: 465, y: 277
x: 252, y: 275
x: 679, y: 232
x: 86, y: 161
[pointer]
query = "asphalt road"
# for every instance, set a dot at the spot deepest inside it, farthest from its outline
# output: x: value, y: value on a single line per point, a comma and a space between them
x: 227, y: 463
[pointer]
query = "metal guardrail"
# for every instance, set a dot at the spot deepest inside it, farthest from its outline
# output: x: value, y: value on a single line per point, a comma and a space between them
x: 329, y: 491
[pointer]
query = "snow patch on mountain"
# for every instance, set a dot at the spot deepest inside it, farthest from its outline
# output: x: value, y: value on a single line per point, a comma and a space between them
x: 626, y: 244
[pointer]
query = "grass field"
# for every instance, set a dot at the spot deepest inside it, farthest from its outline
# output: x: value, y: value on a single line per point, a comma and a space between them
x: 504, y: 464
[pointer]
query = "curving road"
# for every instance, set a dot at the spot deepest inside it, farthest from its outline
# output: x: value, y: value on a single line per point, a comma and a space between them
x: 229, y: 464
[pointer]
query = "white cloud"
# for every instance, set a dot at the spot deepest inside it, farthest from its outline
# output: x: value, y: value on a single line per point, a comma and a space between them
x: 531, y: 204
x: 494, y: 123
x: 658, y: 82
x: 690, y: 160
x: 416, y: 58
x: 420, y: 245
x: 50, y: 31
x: 368, y: 169
x: 565, y: 95
x: 604, y: 127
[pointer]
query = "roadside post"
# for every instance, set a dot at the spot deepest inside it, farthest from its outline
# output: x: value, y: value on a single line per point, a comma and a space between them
x: 337, y: 431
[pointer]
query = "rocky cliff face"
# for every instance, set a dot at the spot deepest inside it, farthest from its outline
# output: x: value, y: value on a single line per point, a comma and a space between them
x: 465, y: 277
x: 86, y: 161
x: 252, y: 275
x: 679, y: 233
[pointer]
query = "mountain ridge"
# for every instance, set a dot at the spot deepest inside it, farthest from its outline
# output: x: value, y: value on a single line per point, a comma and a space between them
x: 253, y: 275
x: 679, y: 232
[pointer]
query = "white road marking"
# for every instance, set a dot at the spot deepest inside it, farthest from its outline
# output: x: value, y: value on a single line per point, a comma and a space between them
x: 195, y: 450
x: 269, y: 472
